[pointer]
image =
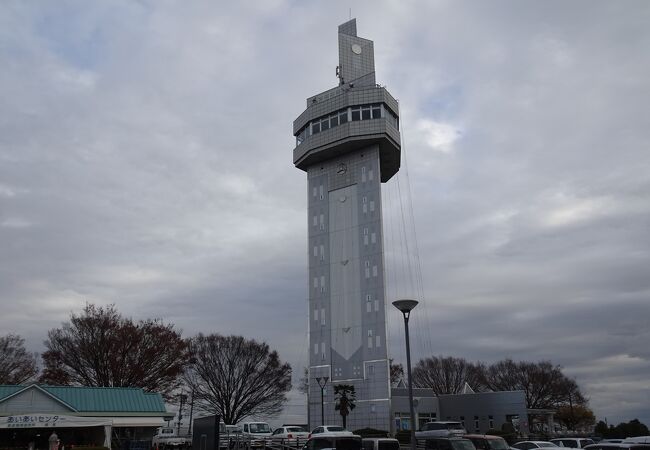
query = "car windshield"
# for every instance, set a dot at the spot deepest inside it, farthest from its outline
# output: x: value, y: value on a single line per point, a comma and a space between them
x: 546, y: 444
x: 455, y: 426
x: 260, y: 428
x: 498, y: 444
x: 388, y: 445
x: 295, y: 430
x: 347, y: 443
x: 335, y: 429
x: 462, y: 444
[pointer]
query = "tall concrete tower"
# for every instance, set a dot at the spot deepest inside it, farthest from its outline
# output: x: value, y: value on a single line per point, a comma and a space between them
x: 348, y: 142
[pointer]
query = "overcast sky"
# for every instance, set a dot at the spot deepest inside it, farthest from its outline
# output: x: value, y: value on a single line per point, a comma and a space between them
x: 146, y: 161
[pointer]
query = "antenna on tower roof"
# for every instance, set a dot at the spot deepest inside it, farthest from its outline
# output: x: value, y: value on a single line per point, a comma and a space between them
x: 350, y: 18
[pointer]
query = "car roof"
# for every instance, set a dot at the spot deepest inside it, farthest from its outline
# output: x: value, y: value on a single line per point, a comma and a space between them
x: 484, y: 436
x: 334, y: 435
x: 379, y: 439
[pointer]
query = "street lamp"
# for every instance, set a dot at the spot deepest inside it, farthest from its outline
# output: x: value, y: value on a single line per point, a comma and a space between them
x: 405, y: 306
x: 322, y: 400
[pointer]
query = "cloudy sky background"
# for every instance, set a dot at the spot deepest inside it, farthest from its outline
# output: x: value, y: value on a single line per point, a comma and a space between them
x: 145, y: 160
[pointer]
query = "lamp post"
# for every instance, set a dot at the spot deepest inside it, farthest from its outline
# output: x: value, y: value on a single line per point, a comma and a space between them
x: 322, y: 398
x: 405, y: 306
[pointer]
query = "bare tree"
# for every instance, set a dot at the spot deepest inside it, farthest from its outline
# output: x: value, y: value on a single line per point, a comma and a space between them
x: 99, y: 347
x: 445, y: 375
x: 16, y: 364
x: 236, y: 377
x: 396, y: 372
x: 544, y: 384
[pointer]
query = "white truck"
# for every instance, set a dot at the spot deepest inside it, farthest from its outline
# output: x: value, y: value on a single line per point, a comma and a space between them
x: 166, y: 438
x: 255, y: 434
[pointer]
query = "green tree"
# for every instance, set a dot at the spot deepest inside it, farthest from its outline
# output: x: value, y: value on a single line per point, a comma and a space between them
x: 575, y: 417
x: 345, y: 397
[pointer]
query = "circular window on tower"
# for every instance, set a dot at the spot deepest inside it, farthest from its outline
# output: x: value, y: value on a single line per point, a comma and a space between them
x: 341, y: 169
x: 356, y: 49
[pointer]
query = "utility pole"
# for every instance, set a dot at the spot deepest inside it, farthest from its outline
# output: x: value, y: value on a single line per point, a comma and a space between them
x: 183, y: 397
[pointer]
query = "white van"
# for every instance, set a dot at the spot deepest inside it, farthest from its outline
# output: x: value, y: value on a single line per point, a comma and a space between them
x: 255, y: 434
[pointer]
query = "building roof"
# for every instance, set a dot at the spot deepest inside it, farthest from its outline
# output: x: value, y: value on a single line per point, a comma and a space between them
x: 96, y: 399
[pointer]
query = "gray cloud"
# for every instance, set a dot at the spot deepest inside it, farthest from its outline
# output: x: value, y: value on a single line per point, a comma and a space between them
x: 145, y: 159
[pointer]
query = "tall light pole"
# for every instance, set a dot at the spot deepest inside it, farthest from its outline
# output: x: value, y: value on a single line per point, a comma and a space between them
x: 322, y: 398
x: 405, y: 306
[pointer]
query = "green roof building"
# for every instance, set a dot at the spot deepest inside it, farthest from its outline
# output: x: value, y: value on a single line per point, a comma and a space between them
x: 78, y: 415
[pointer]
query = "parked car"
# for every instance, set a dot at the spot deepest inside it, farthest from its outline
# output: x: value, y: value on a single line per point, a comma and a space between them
x: 380, y: 444
x: 612, y: 441
x: 618, y: 446
x: 166, y: 438
x: 289, y: 433
x: 330, y: 429
x: 637, y: 440
x: 255, y: 434
x: 528, y: 445
x: 487, y: 442
x: 449, y: 443
x: 440, y: 429
x: 572, y: 442
x: 333, y: 441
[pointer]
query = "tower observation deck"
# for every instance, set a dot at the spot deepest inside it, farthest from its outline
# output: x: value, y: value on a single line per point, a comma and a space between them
x: 348, y: 142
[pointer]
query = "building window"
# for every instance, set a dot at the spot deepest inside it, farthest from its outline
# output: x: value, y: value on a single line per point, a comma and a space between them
x: 376, y: 305
x: 316, y: 349
x: 316, y: 314
x: 365, y: 113
x: 425, y: 418
x: 315, y: 191
x: 373, y: 238
x: 402, y: 421
x: 315, y: 128
x: 372, y: 205
x: 322, y: 316
x: 356, y: 113
x: 377, y: 341
x: 374, y: 271
x: 322, y: 252
x: 376, y: 112
x: 476, y: 424
x: 370, y: 175
x: 462, y: 421
x: 491, y: 422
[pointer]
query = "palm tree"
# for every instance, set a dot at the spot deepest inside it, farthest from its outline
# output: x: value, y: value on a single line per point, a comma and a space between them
x: 345, y: 398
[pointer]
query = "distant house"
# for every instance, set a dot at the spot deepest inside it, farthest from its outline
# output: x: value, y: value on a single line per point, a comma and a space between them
x: 78, y: 415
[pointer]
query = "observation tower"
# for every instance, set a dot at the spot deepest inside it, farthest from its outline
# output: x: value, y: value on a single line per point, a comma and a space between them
x: 348, y: 142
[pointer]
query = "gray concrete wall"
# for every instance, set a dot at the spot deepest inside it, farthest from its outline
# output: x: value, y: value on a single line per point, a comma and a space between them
x: 347, y: 324
x: 499, y: 405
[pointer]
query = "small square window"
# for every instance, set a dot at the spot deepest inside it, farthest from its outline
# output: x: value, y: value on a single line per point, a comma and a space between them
x: 325, y: 124
x: 376, y: 112
x: 356, y: 115
x: 315, y: 127
x: 334, y: 121
x: 365, y: 113
x: 343, y: 117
